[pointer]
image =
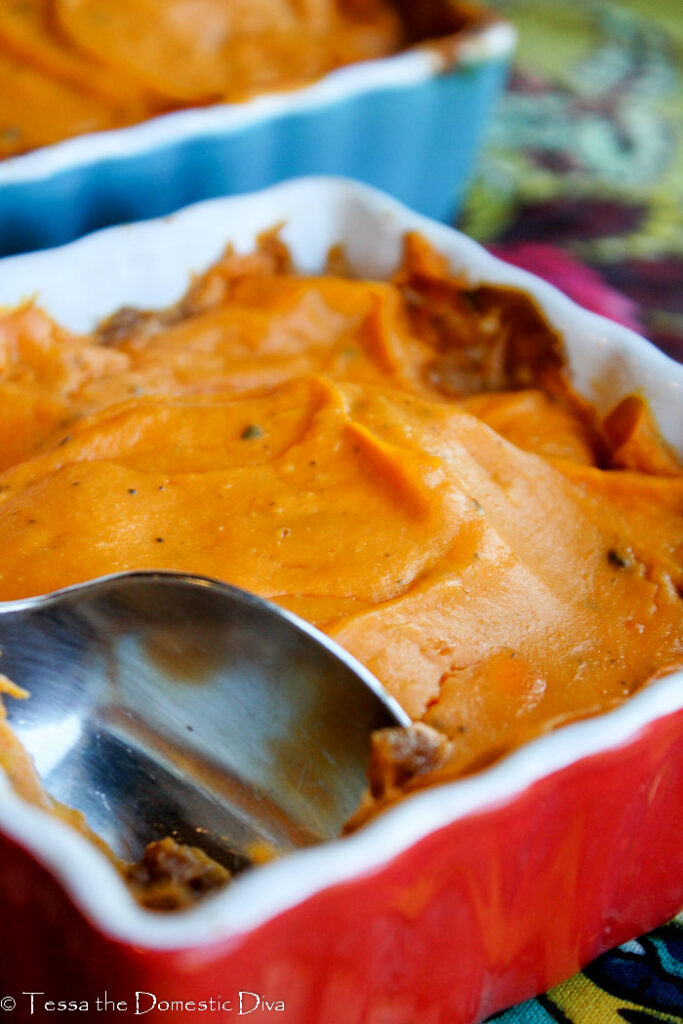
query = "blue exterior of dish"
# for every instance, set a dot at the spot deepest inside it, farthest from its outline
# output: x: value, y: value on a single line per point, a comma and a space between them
x: 418, y: 142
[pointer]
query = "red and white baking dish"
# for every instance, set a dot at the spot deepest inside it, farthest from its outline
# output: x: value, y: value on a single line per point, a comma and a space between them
x: 460, y: 900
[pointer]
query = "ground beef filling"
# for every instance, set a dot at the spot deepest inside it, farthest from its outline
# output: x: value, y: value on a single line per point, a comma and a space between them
x: 172, y: 876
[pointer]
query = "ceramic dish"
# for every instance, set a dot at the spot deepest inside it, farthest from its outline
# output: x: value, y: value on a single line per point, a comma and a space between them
x: 396, y: 123
x: 458, y: 901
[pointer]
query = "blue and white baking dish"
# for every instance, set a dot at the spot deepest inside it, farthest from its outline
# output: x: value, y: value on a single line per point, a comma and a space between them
x: 410, y: 124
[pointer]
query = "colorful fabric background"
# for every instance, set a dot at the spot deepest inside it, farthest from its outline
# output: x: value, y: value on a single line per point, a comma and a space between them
x: 582, y: 182
x: 586, y: 151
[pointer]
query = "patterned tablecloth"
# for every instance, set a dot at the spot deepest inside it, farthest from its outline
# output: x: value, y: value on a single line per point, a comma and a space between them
x: 582, y: 182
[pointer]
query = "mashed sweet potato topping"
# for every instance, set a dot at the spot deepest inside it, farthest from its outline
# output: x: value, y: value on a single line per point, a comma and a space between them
x: 401, y: 463
x: 73, y: 66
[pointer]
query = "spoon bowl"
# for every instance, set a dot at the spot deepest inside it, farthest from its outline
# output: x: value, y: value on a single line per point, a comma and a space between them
x: 169, y: 704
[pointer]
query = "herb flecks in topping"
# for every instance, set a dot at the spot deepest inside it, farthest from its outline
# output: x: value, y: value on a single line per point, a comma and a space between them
x: 618, y: 560
x: 250, y: 432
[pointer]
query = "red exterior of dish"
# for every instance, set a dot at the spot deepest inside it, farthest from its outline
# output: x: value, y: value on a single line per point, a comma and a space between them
x: 481, y: 914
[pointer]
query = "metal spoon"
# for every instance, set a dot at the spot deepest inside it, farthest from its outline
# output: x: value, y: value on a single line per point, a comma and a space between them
x: 166, y: 704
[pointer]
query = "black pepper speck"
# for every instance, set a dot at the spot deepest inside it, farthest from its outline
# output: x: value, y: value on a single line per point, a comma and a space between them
x: 250, y: 432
